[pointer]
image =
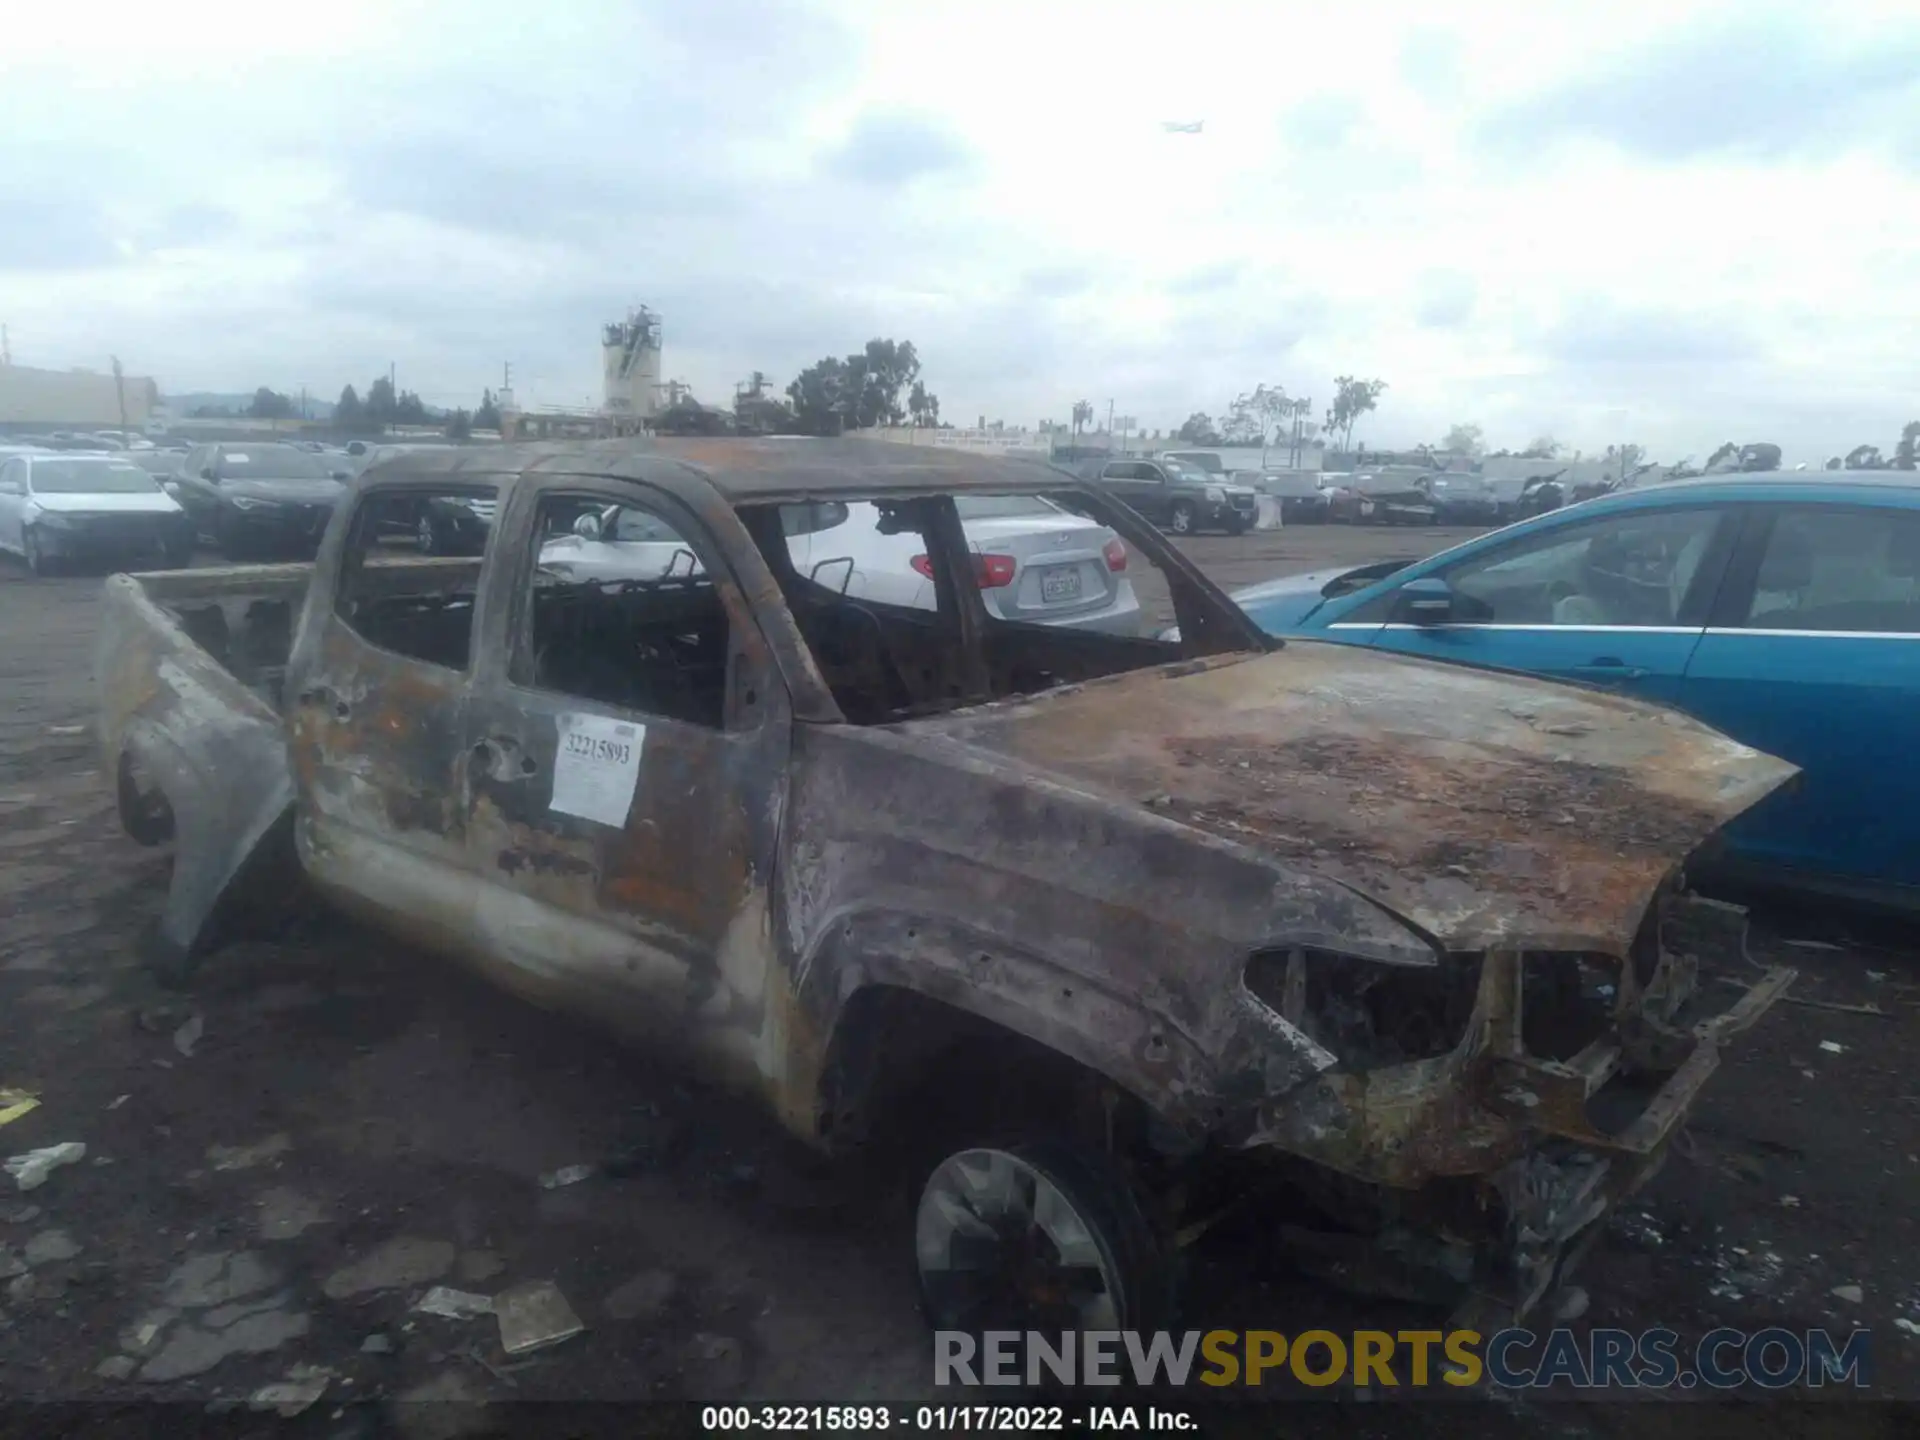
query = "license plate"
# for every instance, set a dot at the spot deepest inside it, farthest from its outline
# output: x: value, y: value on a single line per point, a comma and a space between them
x: 1061, y: 583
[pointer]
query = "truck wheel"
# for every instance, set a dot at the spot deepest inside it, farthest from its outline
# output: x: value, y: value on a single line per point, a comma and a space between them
x: 1037, y: 1237
x: 145, y: 813
x: 170, y: 964
x: 1181, y: 520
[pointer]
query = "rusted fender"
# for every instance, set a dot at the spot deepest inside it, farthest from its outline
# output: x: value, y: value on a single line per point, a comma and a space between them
x: 1106, y: 932
x: 214, y: 747
x: 1493, y: 811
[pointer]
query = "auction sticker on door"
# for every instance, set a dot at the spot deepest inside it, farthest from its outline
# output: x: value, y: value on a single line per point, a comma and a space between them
x: 596, y: 768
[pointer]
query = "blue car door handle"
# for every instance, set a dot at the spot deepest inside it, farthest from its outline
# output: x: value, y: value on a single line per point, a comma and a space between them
x: 1609, y: 667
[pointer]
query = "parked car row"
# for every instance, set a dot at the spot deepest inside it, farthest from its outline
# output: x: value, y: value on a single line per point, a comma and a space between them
x: 1189, y: 491
x: 1783, y: 611
x: 70, y: 501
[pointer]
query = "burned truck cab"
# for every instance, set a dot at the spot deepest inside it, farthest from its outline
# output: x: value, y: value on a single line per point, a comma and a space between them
x: 940, y: 805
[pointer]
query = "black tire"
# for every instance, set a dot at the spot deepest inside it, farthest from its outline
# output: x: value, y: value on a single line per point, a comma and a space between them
x: 1135, y: 1265
x: 172, y: 965
x: 38, y: 562
x: 145, y: 813
x: 1182, y: 519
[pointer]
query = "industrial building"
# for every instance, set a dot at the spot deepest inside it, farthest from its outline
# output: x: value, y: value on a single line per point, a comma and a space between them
x: 33, y: 399
x: 631, y: 394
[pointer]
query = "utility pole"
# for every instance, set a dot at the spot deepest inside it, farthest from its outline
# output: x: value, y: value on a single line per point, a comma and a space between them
x: 303, y: 402
x: 506, y: 375
x: 1109, y: 424
x: 120, y: 394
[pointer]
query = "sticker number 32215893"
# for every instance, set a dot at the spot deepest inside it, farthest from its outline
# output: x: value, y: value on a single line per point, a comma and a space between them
x: 597, y: 768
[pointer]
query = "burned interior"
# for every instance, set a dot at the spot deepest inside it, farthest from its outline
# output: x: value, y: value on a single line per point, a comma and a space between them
x: 887, y: 661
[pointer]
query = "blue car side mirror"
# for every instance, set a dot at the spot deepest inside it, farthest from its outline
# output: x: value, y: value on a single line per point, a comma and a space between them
x: 1426, y: 601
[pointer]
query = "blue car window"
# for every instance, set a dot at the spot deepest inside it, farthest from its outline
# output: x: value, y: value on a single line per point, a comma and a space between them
x: 1839, y: 569
x: 1628, y: 569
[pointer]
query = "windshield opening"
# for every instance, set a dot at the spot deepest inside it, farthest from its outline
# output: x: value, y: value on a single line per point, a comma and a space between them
x: 273, y: 462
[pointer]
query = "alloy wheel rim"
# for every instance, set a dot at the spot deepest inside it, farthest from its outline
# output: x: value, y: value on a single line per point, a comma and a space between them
x: 1000, y: 1246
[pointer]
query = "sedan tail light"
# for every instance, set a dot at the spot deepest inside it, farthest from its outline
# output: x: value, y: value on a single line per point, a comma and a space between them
x: 990, y: 572
x: 994, y: 571
x: 1116, y: 554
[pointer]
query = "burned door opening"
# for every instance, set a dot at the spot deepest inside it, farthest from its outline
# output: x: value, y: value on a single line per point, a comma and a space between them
x: 626, y: 759
x: 375, y: 701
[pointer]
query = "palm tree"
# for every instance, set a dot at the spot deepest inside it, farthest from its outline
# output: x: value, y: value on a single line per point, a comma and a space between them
x: 1082, y: 415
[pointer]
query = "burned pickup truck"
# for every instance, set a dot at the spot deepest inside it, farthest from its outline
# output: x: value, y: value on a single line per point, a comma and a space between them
x: 1131, y: 925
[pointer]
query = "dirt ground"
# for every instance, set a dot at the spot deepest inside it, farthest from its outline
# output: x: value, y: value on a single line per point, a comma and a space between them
x: 281, y: 1161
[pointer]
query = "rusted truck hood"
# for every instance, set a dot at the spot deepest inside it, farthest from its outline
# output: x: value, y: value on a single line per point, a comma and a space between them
x: 1489, y: 810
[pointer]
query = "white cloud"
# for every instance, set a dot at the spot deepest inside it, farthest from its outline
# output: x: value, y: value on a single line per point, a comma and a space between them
x: 1532, y: 218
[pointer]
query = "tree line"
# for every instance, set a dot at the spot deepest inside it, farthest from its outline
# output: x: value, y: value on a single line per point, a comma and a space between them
x: 1262, y: 415
x: 1906, y: 453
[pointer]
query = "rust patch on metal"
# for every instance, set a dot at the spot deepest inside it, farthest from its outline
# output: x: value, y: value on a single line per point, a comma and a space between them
x: 1487, y: 809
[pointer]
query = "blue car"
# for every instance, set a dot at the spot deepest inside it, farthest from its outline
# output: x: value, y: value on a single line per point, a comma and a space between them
x: 1783, y: 609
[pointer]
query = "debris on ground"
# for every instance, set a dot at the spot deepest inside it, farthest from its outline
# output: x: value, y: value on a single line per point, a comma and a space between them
x: 245, y: 1157
x: 30, y: 1171
x: 1833, y: 1047
x: 302, y: 1388
x: 15, y: 1103
x: 399, y: 1264
x: 534, y: 1316
x: 286, y: 1214
x: 116, y: 1367
x: 213, y: 1306
x: 452, y: 1304
x: 566, y: 1175
x: 1792, y: 1202
x: 118, y: 1101
x: 377, y: 1345
x: 188, y: 1035
x: 1852, y: 1294
x: 49, y: 1247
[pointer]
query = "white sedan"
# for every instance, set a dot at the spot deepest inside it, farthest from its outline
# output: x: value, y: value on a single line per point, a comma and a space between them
x: 1035, y: 561
x: 61, y: 506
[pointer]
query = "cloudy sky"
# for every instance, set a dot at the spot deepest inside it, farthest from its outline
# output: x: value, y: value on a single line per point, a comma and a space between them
x: 1668, y: 222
